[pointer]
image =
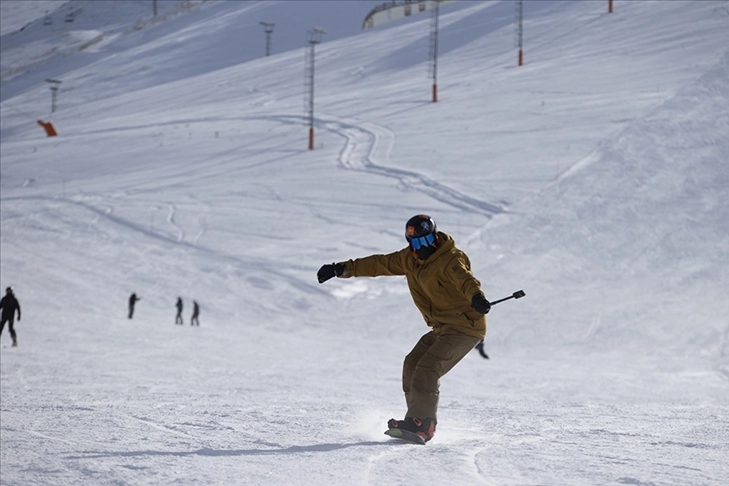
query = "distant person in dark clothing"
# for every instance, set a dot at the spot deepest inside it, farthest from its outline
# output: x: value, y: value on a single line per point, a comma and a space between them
x: 9, y: 305
x: 132, y: 300
x: 178, y: 317
x: 195, y: 314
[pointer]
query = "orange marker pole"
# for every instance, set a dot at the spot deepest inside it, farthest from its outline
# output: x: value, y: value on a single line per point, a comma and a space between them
x: 50, y: 130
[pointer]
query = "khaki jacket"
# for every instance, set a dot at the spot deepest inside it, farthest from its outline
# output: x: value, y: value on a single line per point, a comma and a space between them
x: 441, y: 287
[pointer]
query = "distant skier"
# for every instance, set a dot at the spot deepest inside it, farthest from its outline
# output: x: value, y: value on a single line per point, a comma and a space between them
x: 195, y: 314
x: 178, y: 317
x: 132, y: 300
x: 451, y: 301
x: 10, y: 306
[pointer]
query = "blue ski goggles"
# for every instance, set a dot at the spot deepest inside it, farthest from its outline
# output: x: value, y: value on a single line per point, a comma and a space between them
x: 423, y: 241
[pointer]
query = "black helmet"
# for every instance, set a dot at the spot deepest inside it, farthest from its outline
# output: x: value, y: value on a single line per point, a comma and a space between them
x: 422, y: 235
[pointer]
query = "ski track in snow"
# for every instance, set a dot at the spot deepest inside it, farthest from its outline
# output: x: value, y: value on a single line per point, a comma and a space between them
x: 366, y: 144
x: 171, y: 219
x: 164, y: 428
x: 252, y: 265
x: 44, y: 436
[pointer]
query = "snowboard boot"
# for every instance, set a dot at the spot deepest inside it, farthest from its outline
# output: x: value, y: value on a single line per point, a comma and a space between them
x: 425, y: 428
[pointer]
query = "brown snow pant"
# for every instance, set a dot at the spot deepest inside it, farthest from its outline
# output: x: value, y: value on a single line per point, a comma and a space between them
x: 432, y: 357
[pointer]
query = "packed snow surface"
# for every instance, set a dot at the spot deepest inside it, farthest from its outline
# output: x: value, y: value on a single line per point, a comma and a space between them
x: 595, y: 177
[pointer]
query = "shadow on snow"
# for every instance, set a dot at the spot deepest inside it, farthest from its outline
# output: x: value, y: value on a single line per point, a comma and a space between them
x: 236, y: 452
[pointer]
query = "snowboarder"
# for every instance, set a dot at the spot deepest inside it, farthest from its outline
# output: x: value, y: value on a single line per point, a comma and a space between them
x: 451, y: 301
x: 195, y: 314
x: 178, y: 317
x: 10, y: 306
x: 132, y: 300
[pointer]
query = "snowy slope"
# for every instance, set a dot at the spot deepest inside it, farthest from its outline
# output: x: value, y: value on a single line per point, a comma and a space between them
x: 593, y: 177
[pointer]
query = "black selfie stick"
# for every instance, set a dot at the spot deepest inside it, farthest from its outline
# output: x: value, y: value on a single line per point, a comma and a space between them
x: 516, y: 295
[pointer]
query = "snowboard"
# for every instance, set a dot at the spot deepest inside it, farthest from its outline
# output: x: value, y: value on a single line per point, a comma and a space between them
x: 405, y: 435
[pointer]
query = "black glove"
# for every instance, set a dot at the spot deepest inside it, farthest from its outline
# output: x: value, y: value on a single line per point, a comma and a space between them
x: 480, y: 303
x: 329, y: 271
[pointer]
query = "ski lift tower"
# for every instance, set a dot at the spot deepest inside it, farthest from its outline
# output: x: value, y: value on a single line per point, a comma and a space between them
x: 434, y: 48
x: 520, y: 30
x: 314, y: 38
x: 54, y: 91
x: 268, y: 29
